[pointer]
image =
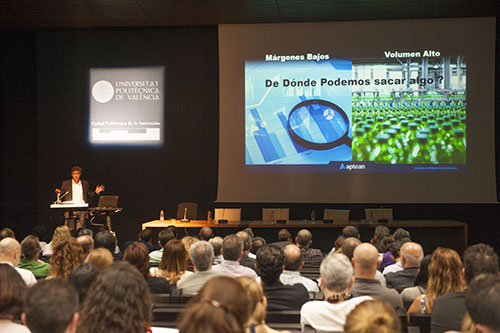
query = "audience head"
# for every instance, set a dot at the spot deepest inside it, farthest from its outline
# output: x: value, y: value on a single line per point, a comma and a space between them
x: 174, y: 230
x: 338, y: 244
x: 187, y: 241
x: 348, y: 246
x: 284, y: 235
x: 51, y: 306
x: 247, y: 241
x: 164, y: 236
x: 206, y: 233
x: 10, y: 250
x: 30, y: 248
x: 101, y: 258
x: 269, y: 263
x: 65, y: 256
x: 373, y: 316
x: 216, y: 309
x: 293, y: 257
x: 138, y: 255
x: 257, y: 302
x: 401, y: 233
x: 483, y: 302
x: 106, y: 240
x: 85, y: 232
x: 365, y: 260
x: 232, y: 248
x: 202, y: 255
x: 444, y: 274
x: 11, y: 293
x: 216, y: 243
x: 386, y: 243
x: 7, y: 232
x: 423, y: 272
x: 249, y: 231
x: 479, y: 259
x: 396, y: 246
x: 119, y: 301
x: 304, y: 238
x: 87, y: 243
x: 39, y: 231
x: 411, y: 254
x: 173, y: 261
x: 81, y: 277
x: 336, y: 273
x: 60, y: 234
x: 380, y: 232
x: 257, y: 243
x: 146, y: 235
x: 350, y: 231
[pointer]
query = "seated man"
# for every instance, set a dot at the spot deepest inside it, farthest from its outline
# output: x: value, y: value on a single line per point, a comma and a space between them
x: 284, y: 238
x: 365, y: 262
x: 293, y: 264
x: 311, y: 256
x: 395, y: 250
x: 107, y: 240
x: 10, y: 253
x: 247, y: 245
x: 202, y: 255
x: 87, y: 243
x: 206, y: 233
x: 232, y: 251
x: 257, y: 243
x: 51, y: 306
x: 164, y: 236
x: 145, y: 237
x: 269, y: 266
x: 380, y: 232
x: 483, y: 303
x: 348, y: 247
x: 411, y: 257
x: 216, y: 243
x: 30, y: 252
x: 336, y: 281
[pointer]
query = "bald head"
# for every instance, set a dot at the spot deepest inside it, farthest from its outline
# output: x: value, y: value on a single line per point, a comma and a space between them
x: 365, y: 260
x: 411, y: 255
x: 304, y: 238
x: 10, y: 250
x: 293, y: 257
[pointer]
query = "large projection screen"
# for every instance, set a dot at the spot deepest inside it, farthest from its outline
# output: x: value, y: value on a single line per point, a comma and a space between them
x: 358, y: 112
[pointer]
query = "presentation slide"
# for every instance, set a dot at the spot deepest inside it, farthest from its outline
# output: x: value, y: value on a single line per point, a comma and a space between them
x: 127, y: 106
x: 357, y: 112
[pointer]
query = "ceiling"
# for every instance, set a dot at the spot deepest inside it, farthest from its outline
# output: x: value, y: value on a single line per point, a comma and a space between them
x: 146, y: 13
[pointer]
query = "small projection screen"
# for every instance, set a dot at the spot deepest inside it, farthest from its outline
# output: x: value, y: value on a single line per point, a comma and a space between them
x: 358, y: 112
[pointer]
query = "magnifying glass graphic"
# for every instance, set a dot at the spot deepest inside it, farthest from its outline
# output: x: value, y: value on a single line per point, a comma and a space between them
x: 319, y: 125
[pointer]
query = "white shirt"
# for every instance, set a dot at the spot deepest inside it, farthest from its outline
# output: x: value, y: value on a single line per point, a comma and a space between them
x: 27, y: 275
x: 393, y: 268
x: 328, y: 317
x: 77, y: 192
x: 11, y: 327
x: 381, y: 278
x: 291, y: 277
x: 234, y: 268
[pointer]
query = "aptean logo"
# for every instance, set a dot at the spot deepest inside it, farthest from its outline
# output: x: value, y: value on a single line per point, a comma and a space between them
x: 352, y: 167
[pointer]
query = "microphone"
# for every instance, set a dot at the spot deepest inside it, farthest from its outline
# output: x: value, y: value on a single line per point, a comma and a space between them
x: 62, y: 196
x: 185, y: 214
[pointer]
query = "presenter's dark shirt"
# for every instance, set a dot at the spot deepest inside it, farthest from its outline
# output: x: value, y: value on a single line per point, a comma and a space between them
x: 448, y: 312
x: 282, y: 297
x: 401, y: 279
x: 158, y: 285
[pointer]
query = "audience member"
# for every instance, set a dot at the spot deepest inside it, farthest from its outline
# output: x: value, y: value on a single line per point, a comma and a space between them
x: 163, y: 237
x: 336, y: 281
x: 411, y: 257
x: 293, y: 263
x: 483, y: 303
x: 444, y: 277
x: 348, y: 246
x: 61, y: 233
x: 39, y: 231
x: 380, y: 232
x: 107, y: 240
x: 10, y: 253
x: 187, y: 241
x: 82, y: 277
x: 409, y: 294
x: 146, y: 238
x: 85, y: 232
x: 173, y: 265
x: 247, y: 245
x: 232, y: 251
x: 174, y: 230
x: 350, y: 231
x: 206, y: 233
x: 311, y: 256
x: 138, y: 255
x: 372, y: 317
x: 7, y: 232
x: 257, y: 243
x: 216, y: 243
x: 87, y: 243
x: 395, y: 251
x: 365, y: 262
x: 337, y: 246
x: 250, y: 233
x: 220, y: 306
x: 449, y: 309
x: 401, y: 233
x: 387, y: 258
x: 104, y: 308
x: 66, y: 256
x: 12, y: 292
x: 101, y: 258
x: 30, y: 252
x: 284, y: 238
x: 202, y: 254
x: 279, y: 296
x: 51, y: 306
x: 257, y: 304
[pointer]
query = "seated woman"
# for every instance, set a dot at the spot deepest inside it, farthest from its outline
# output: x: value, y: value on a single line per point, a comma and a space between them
x: 101, y: 258
x: 60, y: 234
x: 445, y: 276
x: 257, y: 304
x: 372, y: 317
x: 173, y: 263
x: 138, y: 255
x: 221, y: 306
x: 67, y: 255
x: 11, y: 299
x: 30, y: 251
x: 336, y: 279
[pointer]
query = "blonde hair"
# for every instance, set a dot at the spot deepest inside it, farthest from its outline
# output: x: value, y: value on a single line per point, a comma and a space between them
x: 60, y: 234
x: 101, y: 258
x: 67, y: 255
x: 373, y: 316
x: 255, y: 298
x: 468, y: 325
x: 187, y: 242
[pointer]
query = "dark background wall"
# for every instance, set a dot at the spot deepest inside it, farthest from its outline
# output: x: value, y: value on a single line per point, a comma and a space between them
x: 44, y: 98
